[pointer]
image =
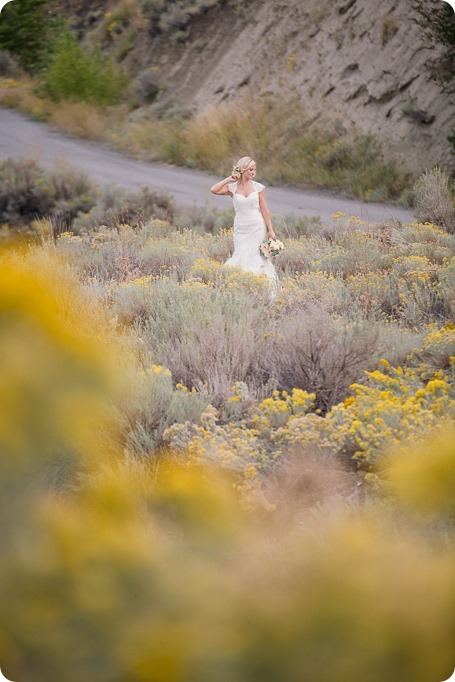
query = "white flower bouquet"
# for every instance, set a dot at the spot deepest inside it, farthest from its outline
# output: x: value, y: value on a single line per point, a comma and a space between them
x: 271, y: 247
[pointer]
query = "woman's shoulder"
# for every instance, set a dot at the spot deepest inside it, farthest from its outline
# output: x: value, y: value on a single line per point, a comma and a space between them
x: 258, y: 186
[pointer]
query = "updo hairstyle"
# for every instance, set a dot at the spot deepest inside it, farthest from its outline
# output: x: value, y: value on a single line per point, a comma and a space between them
x: 241, y: 166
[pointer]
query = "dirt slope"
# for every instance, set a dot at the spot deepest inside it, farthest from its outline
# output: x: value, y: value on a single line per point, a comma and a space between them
x: 361, y: 62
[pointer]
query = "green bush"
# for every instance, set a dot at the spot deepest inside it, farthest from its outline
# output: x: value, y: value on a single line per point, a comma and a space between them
x: 153, y: 405
x: 77, y: 75
x: 28, y: 192
x: 120, y: 207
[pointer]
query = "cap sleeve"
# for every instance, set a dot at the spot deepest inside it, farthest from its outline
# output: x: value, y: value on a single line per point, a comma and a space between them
x: 232, y: 186
x: 258, y: 187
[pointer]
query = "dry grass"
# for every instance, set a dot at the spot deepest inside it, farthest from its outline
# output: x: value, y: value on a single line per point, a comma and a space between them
x: 435, y: 198
x: 21, y: 95
x: 278, y: 136
x: 80, y: 119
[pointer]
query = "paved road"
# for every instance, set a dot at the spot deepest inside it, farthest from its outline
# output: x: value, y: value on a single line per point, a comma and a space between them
x: 19, y: 136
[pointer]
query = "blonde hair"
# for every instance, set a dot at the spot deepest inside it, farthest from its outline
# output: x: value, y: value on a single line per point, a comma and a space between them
x: 241, y: 166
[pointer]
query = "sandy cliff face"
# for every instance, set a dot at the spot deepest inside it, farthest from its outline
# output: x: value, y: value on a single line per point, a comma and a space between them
x: 363, y: 62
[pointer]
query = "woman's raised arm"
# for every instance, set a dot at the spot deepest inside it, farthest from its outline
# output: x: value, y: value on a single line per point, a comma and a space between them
x: 222, y: 186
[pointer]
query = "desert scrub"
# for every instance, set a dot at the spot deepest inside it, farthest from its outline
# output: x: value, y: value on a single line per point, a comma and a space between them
x: 224, y: 581
x: 382, y: 272
x: 205, y: 220
x: 325, y: 291
x: 310, y: 350
x: 346, y: 249
x: 131, y: 254
x: 245, y: 446
x: 434, y: 199
x: 96, y: 256
x: 27, y: 192
x: 293, y: 227
x: 118, y: 206
x: 394, y: 405
x: 165, y: 256
x: 207, y: 337
x: 437, y: 349
x: 399, y: 406
x: 279, y: 139
x: 152, y: 405
x: 213, y: 273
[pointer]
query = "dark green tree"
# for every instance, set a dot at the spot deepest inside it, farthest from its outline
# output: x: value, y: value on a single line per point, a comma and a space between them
x: 438, y: 21
x: 27, y: 30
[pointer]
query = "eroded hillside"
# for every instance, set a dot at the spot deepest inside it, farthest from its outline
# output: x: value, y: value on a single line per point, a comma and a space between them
x: 360, y: 62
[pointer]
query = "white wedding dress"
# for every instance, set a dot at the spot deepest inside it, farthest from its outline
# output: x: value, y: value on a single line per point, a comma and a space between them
x: 249, y: 232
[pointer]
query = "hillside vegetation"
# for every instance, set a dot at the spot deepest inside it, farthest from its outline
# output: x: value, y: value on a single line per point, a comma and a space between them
x: 167, y: 81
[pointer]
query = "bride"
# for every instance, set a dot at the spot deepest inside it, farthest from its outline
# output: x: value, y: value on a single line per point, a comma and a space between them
x: 252, y: 220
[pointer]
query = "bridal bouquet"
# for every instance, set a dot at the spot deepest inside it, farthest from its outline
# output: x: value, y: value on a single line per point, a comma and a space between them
x: 271, y: 247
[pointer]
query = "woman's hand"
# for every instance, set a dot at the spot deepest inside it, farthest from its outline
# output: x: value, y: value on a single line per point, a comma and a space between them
x: 272, y: 234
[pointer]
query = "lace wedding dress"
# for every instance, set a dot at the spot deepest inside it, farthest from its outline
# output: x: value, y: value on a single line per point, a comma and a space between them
x: 249, y: 232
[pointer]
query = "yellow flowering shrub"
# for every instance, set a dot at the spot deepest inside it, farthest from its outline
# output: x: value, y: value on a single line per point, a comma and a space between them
x: 217, y: 275
x: 438, y: 347
x: 231, y: 447
x: 248, y: 445
x: 283, y: 405
x: 395, y: 405
x: 423, y: 477
x: 57, y: 362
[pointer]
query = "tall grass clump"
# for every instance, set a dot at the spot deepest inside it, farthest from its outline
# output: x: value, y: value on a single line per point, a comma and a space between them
x: 77, y: 75
x: 289, y: 149
x: 435, y: 199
